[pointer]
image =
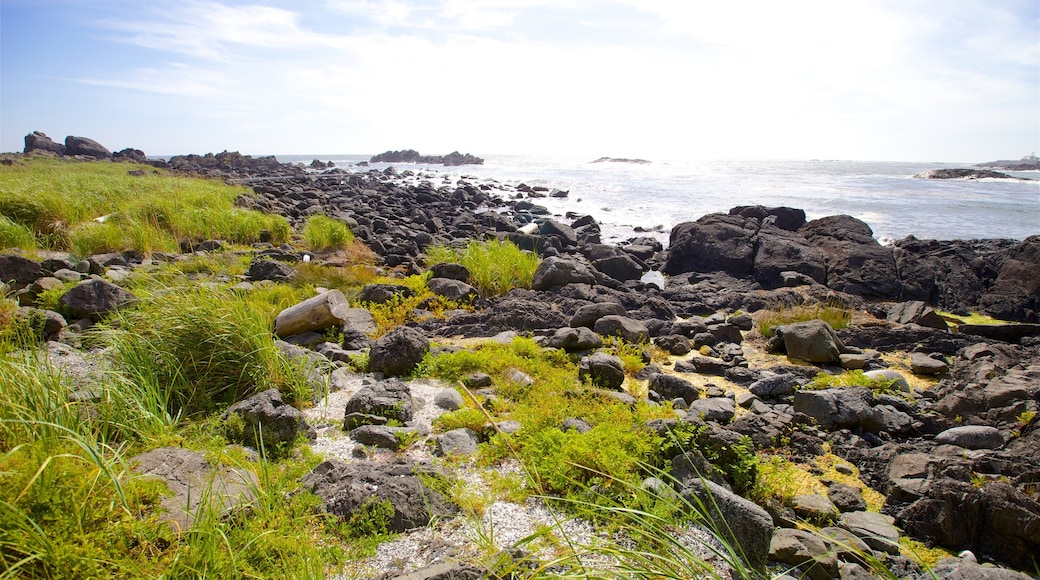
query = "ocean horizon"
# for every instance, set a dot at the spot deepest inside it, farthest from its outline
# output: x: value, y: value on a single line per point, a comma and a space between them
x: 631, y: 200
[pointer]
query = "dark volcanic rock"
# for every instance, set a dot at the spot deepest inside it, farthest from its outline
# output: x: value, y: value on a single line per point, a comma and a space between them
x: 37, y: 141
x: 413, y: 156
x: 390, y: 399
x: 398, y: 352
x: 856, y: 263
x: 553, y: 272
x: 713, y: 243
x: 86, y: 147
x: 962, y: 173
x: 95, y: 298
x: 1015, y: 295
x: 351, y: 489
x: 266, y: 416
x: 602, y: 370
x: 18, y: 270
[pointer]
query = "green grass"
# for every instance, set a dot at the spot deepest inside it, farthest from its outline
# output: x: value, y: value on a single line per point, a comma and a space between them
x: 853, y: 378
x: 89, y: 208
x: 495, y: 266
x: 836, y: 317
x: 973, y: 318
x: 204, y: 347
x: 323, y: 234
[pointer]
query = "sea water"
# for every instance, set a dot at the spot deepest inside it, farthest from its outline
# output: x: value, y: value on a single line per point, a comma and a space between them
x: 630, y: 199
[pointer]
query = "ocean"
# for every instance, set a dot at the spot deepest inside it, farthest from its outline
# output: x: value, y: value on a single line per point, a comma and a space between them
x: 658, y: 195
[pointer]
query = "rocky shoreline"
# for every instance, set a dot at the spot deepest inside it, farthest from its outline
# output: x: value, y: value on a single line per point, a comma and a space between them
x: 958, y: 463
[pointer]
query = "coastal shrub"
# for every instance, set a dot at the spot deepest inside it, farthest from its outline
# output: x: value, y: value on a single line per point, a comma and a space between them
x: 836, y: 317
x: 323, y: 233
x: 203, y: 345
x: 495, y: 266
x: 91, y: 207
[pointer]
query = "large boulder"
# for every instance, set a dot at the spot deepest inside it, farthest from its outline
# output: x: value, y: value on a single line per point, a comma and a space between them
x: 588, y: 315
x: 86, y: 147
x: 398, y: 352
x: 620, y: 267
x: 555, y: 271
x: 629, y: 329
x: 37, y: 141
x: 714, y: 243
x: 785, y: 218
x: 811, y: 341
x: 877, y: 530
x: 856, y: 263
x: 1016, y: 293
x: 95, y: 298
x: 452, y: 289
x: 806, y: 550
x: 574, y: 339
x: 836, y: 408
x: 779, y: 252
x: 998, y: 521
x: 366, y: 490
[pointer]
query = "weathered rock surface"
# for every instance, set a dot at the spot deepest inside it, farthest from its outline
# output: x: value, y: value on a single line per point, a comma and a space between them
x: 267, y: 419
x: 398, y: 352
x: 194, y: 480
x: 351, y: 489
x: 95, y: 298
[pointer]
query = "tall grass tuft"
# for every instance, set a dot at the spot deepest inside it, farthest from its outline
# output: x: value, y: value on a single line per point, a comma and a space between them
x: 495, y: 266
x: 323, y: 234
x: 15, y: 235
x: 836, y: 317
x: 205, y: 346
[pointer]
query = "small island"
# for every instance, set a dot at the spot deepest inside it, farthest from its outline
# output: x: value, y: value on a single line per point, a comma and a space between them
x: 1028, y: 163
x: 622, y: 160
x: 963, y: 173
x: 413, y: 156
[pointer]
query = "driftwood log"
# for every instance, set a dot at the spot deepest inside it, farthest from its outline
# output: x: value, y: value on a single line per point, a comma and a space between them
x: 314, y: 314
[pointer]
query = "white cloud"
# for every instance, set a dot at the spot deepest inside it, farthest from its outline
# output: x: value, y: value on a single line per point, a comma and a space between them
x: 736, y: 79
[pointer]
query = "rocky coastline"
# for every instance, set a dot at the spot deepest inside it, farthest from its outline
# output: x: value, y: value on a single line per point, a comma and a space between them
x: 958, y: 462
x: 412, y: 156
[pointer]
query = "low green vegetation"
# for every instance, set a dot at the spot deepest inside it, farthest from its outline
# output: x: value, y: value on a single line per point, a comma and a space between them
x: 853, y: 378
x: 90, y: 208
x: 495, y: 266
x: 973, y: 318
x: 836, y: 317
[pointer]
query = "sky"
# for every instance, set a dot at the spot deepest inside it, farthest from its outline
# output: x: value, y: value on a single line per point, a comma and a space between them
x: 896, y: 80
